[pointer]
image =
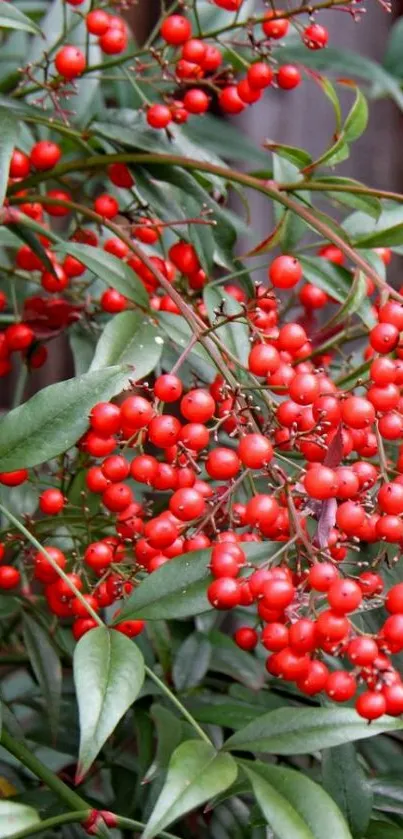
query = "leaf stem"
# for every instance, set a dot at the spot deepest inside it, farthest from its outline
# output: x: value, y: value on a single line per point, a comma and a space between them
x: 175, y: 701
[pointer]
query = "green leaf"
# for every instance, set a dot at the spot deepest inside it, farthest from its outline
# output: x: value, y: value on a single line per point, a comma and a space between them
x: 179, y: 331
x: 306, y: 730
x: 343, y: 61
x: 234, y: 335
x: 388, y: 793
x: 178, y: 588
x: 367, y: 203
x: 169, y: 731
x: 129, y: 338
x: 196, y: 773
x: 55, y: 418
x: 330, y: 92
x: 357, y: 119
x: 383, y: 238
x: 111, y: 270
x: 214, y: 135
x: 47, y: 668
x: 344, y: 779
x: 298, y: 157
x: 15, y: 817
x: 191, y: 662
x: 24, y: 232
x: 293, y: 805
x: 383, y: 830
x: 108, y: 675
x: 12, y: 18
x: 8, y: 139
x: 227, y: 658
x: 354, y: 302
x: 336, y: 281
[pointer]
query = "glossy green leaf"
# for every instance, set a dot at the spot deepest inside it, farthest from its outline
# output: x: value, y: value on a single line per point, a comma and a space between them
x: 169, y: 730
x: 357, y: 118
x: 293, y: 805
x: 298, y: 157
x: 111, y: 270
x: 55, y: 418
x: 196, y: 773
x: 388, y: 793
x: 306, y: 730
x: 367, y: 203
x: 129, y: 338
x: 336, y: 281
x: 344, y: 779
x: 191, y: 661
x: 8, y: 138
x: 215, y: 135
x: 46, y: 666
x: 383, y: 238
x: 234, y: 335
x: 15, y: 817
x: 178, y: 588
x: 11, y: 17
x: 108, y: 676
x: 180, y: 333
x: 355, y: 302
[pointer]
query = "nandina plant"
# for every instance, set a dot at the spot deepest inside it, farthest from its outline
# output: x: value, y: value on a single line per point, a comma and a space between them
x: 202, y: 521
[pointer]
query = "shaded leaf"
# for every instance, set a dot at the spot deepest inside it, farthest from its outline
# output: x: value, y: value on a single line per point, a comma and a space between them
x: 235, y: 335
x: 129, y: 338
x: 305, y: 730
x: 108, y: 675
x: 357, y: 118
x: 228, y: 658
x: 196, y: 773
x: 11, y: 17
x: 8, y: 135
x: 55, y: 418
x: 191, y: 661
x: 336, y: 281
x: 47, y: 667
x: 344, y: 779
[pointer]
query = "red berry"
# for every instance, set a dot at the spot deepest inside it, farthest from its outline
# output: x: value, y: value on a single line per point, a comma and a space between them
x: 45, y: 155
x: 222, y: 463
x: 113, y: 41
x: 285, y: 272
x: 274, y: 26
x: 70, y: 62
x: 106, y: 205
x: 321, y: 482
x: 105, y: 418
x: 315, y: 37
x: 158, y: 116
x: 223, y: 593
x: 120, y: 175
x: 371, y: 705
x: 187, y: 504
x: 13, y: 479
x: 9, y: 577
x: 196, y: 101
x: 246, y: 638
x: 344, y: 596
x: 97, y: 22
x: 341, y: 686
x: 260, y: 75
x: 130, y: 628
x: 20, y: 165
x: 113, y: 302
x: 51, y: 502
x: 255, y: 451
x: 176, y: 29
x: 230, y: 101
x: 288, y: 77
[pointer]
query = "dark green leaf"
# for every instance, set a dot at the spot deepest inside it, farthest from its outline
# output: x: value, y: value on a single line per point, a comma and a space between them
x: 178, y: 588
x: 223, y: 710
x: 12, y: 18
x: 305, y: 730
x: 47, y: 668
x: 382, y: 238
x: 15, y: 817
x: 355, y: 301
x: 234, y: 335
x: 215, y: 135
x: 24, y: 232
x: 240, y: 665
x: 129, y: 338
x: 82, y: 343
x: 357, y: 118
x: 191, y: 662
x: 388, y: 794
x: 344, y: 779
x: 111, y: 270
x: 55, y: 418
x: 169, y: 736
x: 196, y: 773
x: 108, y: 675
x: 383, y: 830
x: 293, y: 805
x: 179, y: 331
x: 8, y: 135
x: 298, y: 157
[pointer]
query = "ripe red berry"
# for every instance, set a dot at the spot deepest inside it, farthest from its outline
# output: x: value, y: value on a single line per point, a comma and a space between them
x: 288, y: 77
x: 120, y: 175
x: 344, y: 596
x: 341, y: 686
x: 113, y: 302
x: 263, y: 359
x: 45, y: 155
x: 222, y: 463
x: 255, y: 451
x: 371, y: 705
x: 184, y: 257
x: 315, y: 37
x: 19, y: 336
x: 230, y: 101
x: 274, y: 26
x: 13, y: 479
x: 106, y: 205
x: 105, y: 418
x: 158, y: 116
x: 117, y: 497
x: 246, y: 638
x: 187, y: 504
x: 285, y: 272
x: 114, y: 40
x: 197, y: 405
x: 176, y: 29
x: 9, y: 577
x: 97, y: 22
x: 384, y: 337
x: 20, y: 165
x: 130, y: 628
x: 43, y: 569
x: 70, y: 62
x: 321, y: 482
x: 224, y: 593
x: 51, y: 502
x: 196, y: 101
x: 260, y: 75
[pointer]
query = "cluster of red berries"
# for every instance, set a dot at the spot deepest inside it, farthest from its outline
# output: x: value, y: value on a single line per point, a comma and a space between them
x: 199, y: 60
